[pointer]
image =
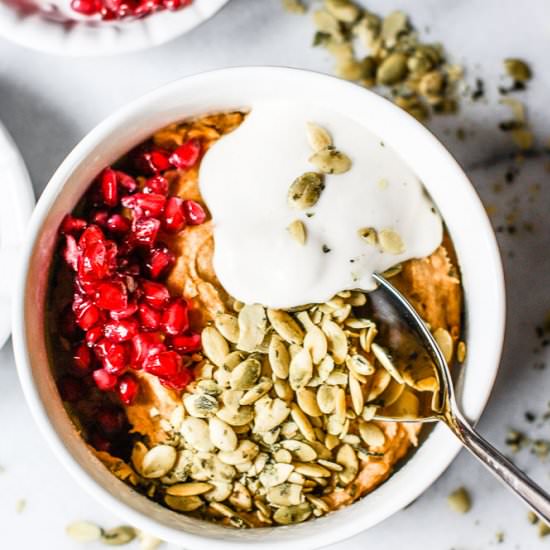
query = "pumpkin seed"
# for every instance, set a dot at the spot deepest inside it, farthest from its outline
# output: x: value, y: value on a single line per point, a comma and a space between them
x: 319, y: 503
x: 214, y: 345
x: 315, y: 342
x: 252, y: 327
x: 245, y: 375
x: 347, y: 458
x: 326, y: 398
x: 366, y: 338
x: 181, y: 468
x: 330, y: 161
x: 379, y: 382
x: 283, y: 456
x: 371, y: 434
x: 83, y: 531
x: 288, y: 515
x: 233, y: 359
x: 340, y: 404
x: 246, y: 450
x: 236, y: 417
x: 275, y: 474
x: 517, y: 69
x: 369, y: 235
x: 259, y: 390
x: 240, y: 498
x: 285, y: 494
x: 390, y: 241
x: 183, y: 504
x: 279, y: 358
x: 317, y: 137
x: 357, y: 299
x: 358, y: 323
x: 461, y: 352
x: 325, y: 22
x: 300, y: 450
x: 283, y: 390
x: 200, y: 405
x: 360, y: 364
x: 220, y: 491
x: 228, y: 326
x: 343, y: 10
x: 311, y: 470
x: 302, y: 422
x: 392, y: 70
x: 337, y: 341
x: 333, y: 466
x: 208, y: 467
x: 158, y: 461
x: 222, y: 435
x: 305, y: 191
x: 445, y: 342
x: 300, y: 370
x: 285, y: 326
x: 189, y: 489
x: 196, y: 434
x: 270, y: 413
x: 297, y: 231
x: 393, y: 26
x: 325, y: 368
x: 232, y: 399
x: 139, y: 450
x: 459, y: 501
x: 331, y: 441
x: 356, y: 393
x: 307, y: 401
x: 386, y: 362
x: 117, y: 536
x: 205, y: 386
x: 337, y: 378
x: 335, y: 425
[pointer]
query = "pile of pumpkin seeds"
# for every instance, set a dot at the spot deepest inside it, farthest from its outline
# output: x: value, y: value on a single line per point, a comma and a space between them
x: 280, y: 416
x: 386, y: 52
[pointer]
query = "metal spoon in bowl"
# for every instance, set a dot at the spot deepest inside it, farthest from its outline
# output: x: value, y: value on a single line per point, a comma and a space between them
x: 396, y: 308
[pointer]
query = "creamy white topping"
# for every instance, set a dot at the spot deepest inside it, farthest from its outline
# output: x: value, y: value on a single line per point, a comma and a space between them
x: 244, y: 179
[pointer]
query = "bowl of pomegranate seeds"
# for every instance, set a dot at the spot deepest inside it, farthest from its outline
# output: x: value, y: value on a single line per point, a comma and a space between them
x: 192, y: 323
x: 100, y: 27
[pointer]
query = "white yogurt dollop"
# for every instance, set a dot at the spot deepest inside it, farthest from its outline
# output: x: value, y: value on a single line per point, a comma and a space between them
x: 244, y: 179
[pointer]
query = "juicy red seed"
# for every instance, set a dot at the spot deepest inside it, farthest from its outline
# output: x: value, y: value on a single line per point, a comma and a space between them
x: 186, y: 343
x: 99, y: 442
x: 145, y: 231
x: 118, y: 224
x: 85, y: 7
x: 111, y: 296
x: 71, y: 389
x: 154, y: 161
x: 95, y: 262
x: 104, y: 380
x: 149, y: 318
x: 144, y: 345
x: 173, y: 219
x: 93, y: 336
x: 186, y: 155
x: 194, y: 212
x: 87, y: 315
x: 82, y: 359
x: 175, y: 318
x: 109, y: 420
x: 109, y: 187
x: 115, y: 357
x: 145, y: 204
x: 128, y: 311
x: 179, y: 381
x: 156, y: 184
x: 71, y: 225
x: 160, y: 261
x: 100, y: 217
x: 126, y: 181
x: 91, y: 235
x: 164, y: 364
x: 127, y: 388
x: 155, y: 294
x: 121, y: 331
x: 71, y: 252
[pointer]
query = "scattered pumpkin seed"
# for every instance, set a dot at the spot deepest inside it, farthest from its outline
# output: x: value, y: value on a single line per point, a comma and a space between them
x: 117, y: 536
x: 459, y: 501
x: 317, y: 137
x: 330, y: 161
x: 83, y: 531
x: 517, y: 69
x: 305, y: 191
x: 158, y: 461
x: 297, y: 231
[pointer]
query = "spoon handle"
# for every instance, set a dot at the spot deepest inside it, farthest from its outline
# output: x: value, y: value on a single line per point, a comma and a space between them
x: 524, y: 487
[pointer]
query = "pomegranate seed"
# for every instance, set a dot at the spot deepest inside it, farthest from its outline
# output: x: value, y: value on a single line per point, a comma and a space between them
x: 186, y: 343
x: 93, y: 336
x: 71, y: 252
x: 145, y: 204
x: 82, y: 359
x: 95, y: 262
x: 156, y: 184
x: 71, y: 389
x: 109, y: 187
x: 118, y: 224
x: 100, y: 443
x: 160, y: 261
x: 126, y: 181
x: 100, y: 217
x: 110, y: 420
x: 186, y: 155
x: 104, y: 380
x: 128, y: 311
x: 144, y: 231
x: 121, y: 331
x: 87, y: 315
x: 179, y: 381
x: 164, y: 364
x: 175, y: 319
x: 194, y: 212
x: 91, y: 235
x: 111, y: 296
x: 84, y: 7
x: 174, y: 217
x: 127, y: 388
x: 144, y: 345
x: 149, y: 318
x: 155, y: 294
x: 154, y: 161
x: 71, y: 225
x: 114, y: 356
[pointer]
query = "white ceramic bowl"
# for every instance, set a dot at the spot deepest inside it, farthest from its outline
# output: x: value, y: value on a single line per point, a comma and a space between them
x: 102, y: 38
x: 237, y: 88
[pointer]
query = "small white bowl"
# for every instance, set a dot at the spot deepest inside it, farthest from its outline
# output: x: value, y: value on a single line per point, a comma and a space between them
x: 220, y: 91
x: 79, y: 39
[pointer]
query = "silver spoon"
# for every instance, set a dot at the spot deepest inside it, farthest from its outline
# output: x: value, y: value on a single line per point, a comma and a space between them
x: 446, y: 409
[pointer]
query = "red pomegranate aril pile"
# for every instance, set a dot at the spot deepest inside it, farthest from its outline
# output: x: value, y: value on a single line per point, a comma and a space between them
x: 110, y: 10
x: 123, y: 318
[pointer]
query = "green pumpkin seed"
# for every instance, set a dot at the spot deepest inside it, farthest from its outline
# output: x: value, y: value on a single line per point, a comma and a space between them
x: 245, y: 375
x: 392, y: 70
x: 228, y: 326
x: 288, y: 515
x: 279, y: 358
x: 343, y: 10
x: 252, y: 327
x: 300, y: 370
x: 305, y: 191
x: 83, y: 531
x: 390, y: 241
x: 285, y: 326
x: 183, y: 504
x: 201, y: 405
x: 369, y: 235
x: 189, y: 489
x: 214, y: 345
x: 117, y: 536
x: 158, y: 461
x: 317, y: 137
x: 330, y: 161
x: 517, y: 69
x: 222, y: 435
x: 297, y: 230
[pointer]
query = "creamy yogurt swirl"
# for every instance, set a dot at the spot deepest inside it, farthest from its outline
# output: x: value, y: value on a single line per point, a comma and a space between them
x: 244, y: 179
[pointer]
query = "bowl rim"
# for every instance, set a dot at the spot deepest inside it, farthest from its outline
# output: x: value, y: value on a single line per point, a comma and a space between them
x: 355, y: 523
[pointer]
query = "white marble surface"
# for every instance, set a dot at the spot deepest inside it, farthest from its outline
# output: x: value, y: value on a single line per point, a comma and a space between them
x: 49, y: 103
